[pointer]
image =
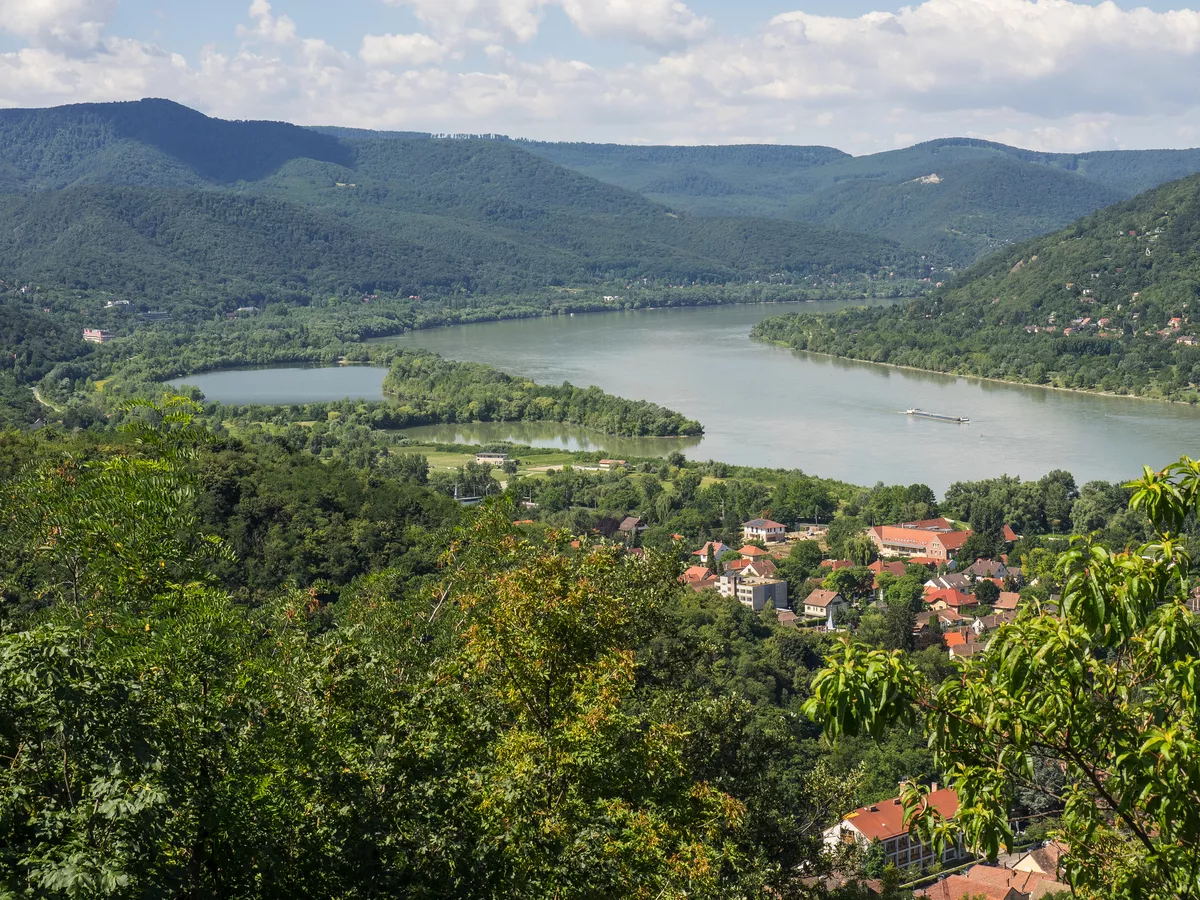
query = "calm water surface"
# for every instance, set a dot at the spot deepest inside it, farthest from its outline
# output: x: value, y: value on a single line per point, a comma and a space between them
x: 766, y: 406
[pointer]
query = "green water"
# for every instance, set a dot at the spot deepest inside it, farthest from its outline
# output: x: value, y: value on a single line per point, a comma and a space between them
x: 766, y: 406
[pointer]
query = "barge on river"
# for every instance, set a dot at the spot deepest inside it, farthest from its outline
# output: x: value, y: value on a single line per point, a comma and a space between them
x: 921, y: 414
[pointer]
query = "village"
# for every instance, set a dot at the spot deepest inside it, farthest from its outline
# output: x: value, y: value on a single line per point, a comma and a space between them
x: 961, y: 602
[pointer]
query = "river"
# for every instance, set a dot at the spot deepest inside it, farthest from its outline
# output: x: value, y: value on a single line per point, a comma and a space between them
x: 767, y: 406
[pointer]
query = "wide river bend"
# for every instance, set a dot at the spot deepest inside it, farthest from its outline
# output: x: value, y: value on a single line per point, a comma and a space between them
x: 768, y: 406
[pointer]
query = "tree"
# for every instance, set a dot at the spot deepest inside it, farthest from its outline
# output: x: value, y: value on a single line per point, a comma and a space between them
x: 987, y: 592
x: 841, y: 530
x: 1057, y: 690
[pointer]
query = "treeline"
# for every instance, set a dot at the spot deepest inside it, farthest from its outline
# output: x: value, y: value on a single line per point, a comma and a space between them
x: 429, y: 389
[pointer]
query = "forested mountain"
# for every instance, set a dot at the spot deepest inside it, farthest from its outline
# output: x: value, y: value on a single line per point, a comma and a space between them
x: 984, y: 194
x: 1110, y: 303
x: 154, y: 199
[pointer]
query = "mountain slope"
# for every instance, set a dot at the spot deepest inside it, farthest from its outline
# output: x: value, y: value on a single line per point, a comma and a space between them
x: 986, y: 194
x: 1111, y: 303
x: 154, y: 199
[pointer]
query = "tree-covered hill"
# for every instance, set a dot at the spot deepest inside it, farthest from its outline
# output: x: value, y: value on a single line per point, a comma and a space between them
x: 153, y: 199
x: 1111, y: 303
x: 985, y: 195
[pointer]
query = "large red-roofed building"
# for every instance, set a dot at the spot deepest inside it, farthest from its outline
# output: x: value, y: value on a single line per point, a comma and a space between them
x: 884, y: 822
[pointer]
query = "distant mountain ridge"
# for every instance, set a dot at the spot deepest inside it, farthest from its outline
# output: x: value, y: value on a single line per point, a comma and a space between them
x: 986, y: 194
x: 158, y: 199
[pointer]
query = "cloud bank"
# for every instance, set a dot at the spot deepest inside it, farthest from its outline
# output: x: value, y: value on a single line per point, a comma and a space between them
x: 1051, y: 74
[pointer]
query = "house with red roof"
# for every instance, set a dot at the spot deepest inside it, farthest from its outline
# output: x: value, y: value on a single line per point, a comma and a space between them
x: 993, y: 882
x: 698, y: 578
x: 950, y: 598
x: 763, y: 530
x: 835, y: 565
x: 715, y: 548
x: 933, y: 538
x: 884, y: 822
x: 751, y: 550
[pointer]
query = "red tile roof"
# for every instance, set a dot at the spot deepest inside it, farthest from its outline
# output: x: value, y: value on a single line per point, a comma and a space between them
x: 954, y: 639
x: 836, y: 564
x: 951, y: 597
x: 892, y: 568
x: 1009, y: 535
x: 821, y: 598
x: 1033, y: 884
x: 1008, y: 600
x: 957, y: 887
x: 885, y: 820
x: 694, y: 574
x: 751, y: 550
x: 916, y: 537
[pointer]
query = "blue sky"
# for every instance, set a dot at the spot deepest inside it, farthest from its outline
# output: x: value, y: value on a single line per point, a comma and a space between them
x: 860, y: 75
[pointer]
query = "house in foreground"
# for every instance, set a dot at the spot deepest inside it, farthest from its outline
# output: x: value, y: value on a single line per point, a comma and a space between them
x: 825, y: 605
x: 884, y: 822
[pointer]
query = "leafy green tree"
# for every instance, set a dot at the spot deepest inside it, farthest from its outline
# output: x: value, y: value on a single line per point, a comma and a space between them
x: 987, y: 592
x: 841, y: 530
x: 1058, y: 690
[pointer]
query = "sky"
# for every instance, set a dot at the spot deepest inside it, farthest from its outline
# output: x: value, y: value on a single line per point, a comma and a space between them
x: 859, y: 75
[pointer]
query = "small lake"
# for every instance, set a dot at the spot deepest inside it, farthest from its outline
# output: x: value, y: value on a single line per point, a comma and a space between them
x: 768, y: 406
x: 285, y: 385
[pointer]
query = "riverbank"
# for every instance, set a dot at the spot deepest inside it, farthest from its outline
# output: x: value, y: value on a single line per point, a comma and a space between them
x: 1008, y: 382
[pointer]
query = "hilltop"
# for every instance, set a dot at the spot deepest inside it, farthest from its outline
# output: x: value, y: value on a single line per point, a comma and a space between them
x: 957, y: 198
x: 158, y: 200
x: 1108, y: 304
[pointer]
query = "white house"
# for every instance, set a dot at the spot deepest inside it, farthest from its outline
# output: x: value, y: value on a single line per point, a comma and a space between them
x: 825, y: 605
x: 763, y: 530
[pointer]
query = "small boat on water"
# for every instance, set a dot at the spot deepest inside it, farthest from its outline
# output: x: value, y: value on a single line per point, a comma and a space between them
x: 921, y: 414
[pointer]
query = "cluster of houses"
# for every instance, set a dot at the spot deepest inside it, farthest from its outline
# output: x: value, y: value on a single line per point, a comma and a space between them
x: 953, y: 614
x: 953, y: 610
x: 748, y: 576
x: 1025, y: 875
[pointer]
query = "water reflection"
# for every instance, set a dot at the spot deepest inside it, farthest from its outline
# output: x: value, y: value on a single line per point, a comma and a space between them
x: 546, y: 434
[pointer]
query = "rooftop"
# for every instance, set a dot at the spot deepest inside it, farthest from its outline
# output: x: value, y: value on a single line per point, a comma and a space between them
x: 885, y: 820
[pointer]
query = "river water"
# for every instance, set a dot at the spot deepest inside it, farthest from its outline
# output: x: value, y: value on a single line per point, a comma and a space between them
x: 767, y: 406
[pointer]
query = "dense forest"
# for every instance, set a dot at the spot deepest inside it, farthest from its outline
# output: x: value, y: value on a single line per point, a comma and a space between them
x: 1108, y: 304
x: 162, y: 203
x: 984, y: 195
x: 429, y: 389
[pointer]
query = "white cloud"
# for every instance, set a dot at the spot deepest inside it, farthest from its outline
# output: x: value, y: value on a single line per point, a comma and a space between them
x: 66, y: 25
x: 655, y: 23
x: 267, y: 27
x: 1051, y: 74
x: 659, y: 24
x: 401, y: 50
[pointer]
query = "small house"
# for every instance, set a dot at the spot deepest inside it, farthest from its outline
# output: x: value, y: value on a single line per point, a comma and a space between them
x: 821, y: 604
x: 763, y: 530
x: 491, y: 459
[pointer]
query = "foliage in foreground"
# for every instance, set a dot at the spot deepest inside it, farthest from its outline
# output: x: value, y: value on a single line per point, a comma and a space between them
x: 531, y: 722
x: 1107, y: 691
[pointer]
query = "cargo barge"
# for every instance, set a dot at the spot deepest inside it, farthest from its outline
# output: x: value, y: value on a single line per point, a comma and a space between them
x: 921, y: 414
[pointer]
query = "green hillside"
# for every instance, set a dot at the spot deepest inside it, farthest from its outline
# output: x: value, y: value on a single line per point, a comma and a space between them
x: 1111, y: 303
x: 155, y: 200
x: 985, y: 195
